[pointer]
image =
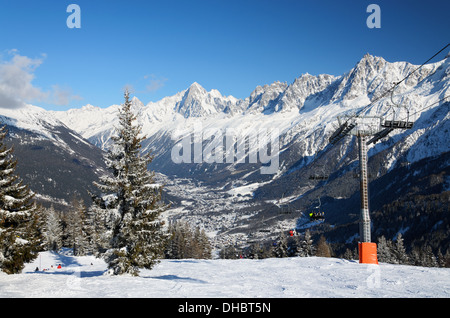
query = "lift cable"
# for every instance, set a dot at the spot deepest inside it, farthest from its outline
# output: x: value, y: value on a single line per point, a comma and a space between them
x: 435, y: 103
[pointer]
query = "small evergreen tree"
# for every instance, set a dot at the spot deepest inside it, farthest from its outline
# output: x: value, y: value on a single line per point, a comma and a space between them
x: 78, y: 230
x: 36, y: 229
x: 307, y: 248
x: 350, y: 255
x: 447, y: 259
x: 281, y: 247
x: 256, y: 251
x: 18, y: 241
x: 97, y: 226
x: 293, y: 246
x: 428, y: 258
x: 384, y: 250
x: 130, y: 201
x: 177, y: 244
x: 440, y: 259
x: 53, y: 232
x: 399, y: 251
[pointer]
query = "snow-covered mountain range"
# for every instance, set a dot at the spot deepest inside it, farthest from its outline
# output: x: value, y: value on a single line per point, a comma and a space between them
x: 308, y: 107
x: 232, y: 196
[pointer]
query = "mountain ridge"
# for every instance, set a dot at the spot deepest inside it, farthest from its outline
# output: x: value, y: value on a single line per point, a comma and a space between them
x: 370, y: 76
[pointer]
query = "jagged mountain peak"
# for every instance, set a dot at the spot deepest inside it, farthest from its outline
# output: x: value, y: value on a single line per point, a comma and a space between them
x: 87, y: 107
x: 306, y: 88
x: 373, y: 75
x: 370, y: 64
x: 196, y: 87
x: 197, y: 102
x: 264, y: 98
x: 136, y: 101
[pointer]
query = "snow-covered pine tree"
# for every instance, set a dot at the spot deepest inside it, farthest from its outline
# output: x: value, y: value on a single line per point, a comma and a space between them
x: 131, y: 201
x: 428, y: 258
x: 97, y: 222
x: 17, y: 244
x: 384, y: 250
x: 53, y: 232
x: 280, y: 249
x: 36, y: 228
x: 293, y: 246
x: 176, y: 247
x: 307, y: 248
x: 78, y: 229
x: 350, y: 255
x: 400, y: 251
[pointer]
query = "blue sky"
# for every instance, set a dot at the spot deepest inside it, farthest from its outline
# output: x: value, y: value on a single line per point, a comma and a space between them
x: 160, y: 47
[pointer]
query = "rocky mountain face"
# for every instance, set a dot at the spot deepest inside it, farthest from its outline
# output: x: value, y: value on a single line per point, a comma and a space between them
x: 211, y: 150
x: 55, y: 161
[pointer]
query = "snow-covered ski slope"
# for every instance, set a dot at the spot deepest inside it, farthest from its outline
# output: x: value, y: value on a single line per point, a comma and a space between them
x: 296, y: 277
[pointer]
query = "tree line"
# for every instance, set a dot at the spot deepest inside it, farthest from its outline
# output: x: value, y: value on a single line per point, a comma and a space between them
x: 394, y: 252
x: 79, y: 229
x: 301, y: 245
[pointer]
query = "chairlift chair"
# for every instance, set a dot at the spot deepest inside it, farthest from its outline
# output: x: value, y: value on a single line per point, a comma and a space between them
x: 317, y: 214
x: 395, y: 123
x: 321, y: 176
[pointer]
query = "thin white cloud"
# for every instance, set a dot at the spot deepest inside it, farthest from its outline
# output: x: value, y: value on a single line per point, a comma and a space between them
x: 147, y: 84
x: 154, y: 83
x: 16, y: 76
x: 16, y: 83
x: 62, y: 96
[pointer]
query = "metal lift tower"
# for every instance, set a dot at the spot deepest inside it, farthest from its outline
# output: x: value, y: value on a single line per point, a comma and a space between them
x: 364, y: 127
x: 372, y: 126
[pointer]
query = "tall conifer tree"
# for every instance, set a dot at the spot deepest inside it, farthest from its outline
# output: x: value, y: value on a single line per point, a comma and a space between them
x: 17, y: 239
x: 53, y: 231
x: 78, y: 229
x: 131, y: 201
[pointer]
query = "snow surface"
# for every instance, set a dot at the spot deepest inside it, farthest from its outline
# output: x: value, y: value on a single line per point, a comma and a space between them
x: 296, y: 277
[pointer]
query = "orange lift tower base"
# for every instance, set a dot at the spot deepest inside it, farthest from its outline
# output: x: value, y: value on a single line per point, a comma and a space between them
x: 367, y: 253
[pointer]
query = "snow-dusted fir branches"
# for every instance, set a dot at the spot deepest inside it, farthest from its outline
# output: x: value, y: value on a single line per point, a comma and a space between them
x: 130, y: 201
x: 18, y: 238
